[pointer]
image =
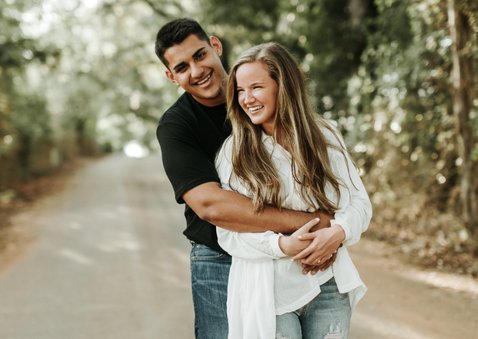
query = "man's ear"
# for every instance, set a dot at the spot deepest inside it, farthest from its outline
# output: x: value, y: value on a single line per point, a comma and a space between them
x: 170, y: 76
x: 216, y: 44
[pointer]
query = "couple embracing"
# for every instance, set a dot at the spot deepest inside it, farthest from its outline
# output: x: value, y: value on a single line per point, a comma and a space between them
x: 272, y: 198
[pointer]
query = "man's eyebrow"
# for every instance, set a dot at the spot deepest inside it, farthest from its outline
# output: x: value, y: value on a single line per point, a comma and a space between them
x: 179, y: 66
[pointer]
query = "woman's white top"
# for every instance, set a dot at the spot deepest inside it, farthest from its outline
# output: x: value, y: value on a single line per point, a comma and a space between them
x: 263, y: 281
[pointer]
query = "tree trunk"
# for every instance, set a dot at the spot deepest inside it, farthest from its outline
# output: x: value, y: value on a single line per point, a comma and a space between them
x: 462, y: 95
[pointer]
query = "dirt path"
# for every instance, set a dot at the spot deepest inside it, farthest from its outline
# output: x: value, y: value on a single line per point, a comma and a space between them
x: 406, y: 302
x: 105, y: 258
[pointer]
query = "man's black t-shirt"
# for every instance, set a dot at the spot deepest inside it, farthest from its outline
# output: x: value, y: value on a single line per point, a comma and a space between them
x: 190, y: 134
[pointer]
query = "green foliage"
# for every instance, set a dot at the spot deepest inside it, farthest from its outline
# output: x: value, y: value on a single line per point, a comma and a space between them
x: 321, y: 34
x: 24, y: 118
x: 381, y: 68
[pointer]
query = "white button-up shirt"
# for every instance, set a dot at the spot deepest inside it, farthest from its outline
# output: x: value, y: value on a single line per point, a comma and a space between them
x: 263, y: 281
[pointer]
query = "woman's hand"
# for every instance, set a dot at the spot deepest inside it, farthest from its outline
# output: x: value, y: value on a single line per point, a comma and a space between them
x: 324, y: 243
x: 293, y: 244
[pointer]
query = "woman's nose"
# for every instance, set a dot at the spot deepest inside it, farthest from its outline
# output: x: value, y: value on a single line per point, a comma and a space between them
x: 248, y: 97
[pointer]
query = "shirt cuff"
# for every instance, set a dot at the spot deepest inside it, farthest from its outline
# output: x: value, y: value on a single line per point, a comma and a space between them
x: 274, y: 243
x: 342, y: 223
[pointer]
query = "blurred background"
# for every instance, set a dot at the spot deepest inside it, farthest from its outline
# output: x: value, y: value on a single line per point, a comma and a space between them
x: 90, y: 235
x: 80, y: 78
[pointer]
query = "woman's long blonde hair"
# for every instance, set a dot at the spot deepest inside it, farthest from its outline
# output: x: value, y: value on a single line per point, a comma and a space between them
x: 297, y: 127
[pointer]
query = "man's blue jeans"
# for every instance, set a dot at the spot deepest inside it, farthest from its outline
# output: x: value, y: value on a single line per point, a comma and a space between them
x: 327, y: 316
x: 209, y: 276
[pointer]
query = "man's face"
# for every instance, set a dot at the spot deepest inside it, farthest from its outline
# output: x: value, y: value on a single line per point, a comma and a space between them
x: 195, y: 66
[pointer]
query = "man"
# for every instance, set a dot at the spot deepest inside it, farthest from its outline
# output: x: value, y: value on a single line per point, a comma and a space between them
x: 190, y: 132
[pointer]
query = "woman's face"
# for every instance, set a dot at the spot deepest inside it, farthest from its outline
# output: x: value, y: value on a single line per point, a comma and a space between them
x: 257, y: 94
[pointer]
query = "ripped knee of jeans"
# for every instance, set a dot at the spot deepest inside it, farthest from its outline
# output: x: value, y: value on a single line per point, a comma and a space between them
x: 335, y: 332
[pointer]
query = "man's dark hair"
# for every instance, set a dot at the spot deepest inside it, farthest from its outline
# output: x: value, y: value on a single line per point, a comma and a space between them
x: 175, y: 32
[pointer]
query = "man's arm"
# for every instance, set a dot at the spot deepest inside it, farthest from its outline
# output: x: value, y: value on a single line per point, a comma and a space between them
x: 193, y: 176
x: 233, y: 211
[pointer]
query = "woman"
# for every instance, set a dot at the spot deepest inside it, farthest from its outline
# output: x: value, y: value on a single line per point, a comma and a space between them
x: 281, y: 153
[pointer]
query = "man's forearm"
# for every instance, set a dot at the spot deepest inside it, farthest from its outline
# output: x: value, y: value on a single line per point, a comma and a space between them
x: 233, y: 211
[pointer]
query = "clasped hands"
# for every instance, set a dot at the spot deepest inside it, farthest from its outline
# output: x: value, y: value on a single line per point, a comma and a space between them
x: 315, y: 248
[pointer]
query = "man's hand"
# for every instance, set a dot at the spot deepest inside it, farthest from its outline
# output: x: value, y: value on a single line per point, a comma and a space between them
x: 313, y: 269
x: 297, y: 242
x: 325, y: 219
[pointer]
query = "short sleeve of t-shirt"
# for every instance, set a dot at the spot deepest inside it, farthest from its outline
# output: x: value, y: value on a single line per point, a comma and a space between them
x: 188, y: 146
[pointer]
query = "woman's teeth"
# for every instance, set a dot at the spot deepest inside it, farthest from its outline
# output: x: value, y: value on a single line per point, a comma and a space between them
x: 255, y: 109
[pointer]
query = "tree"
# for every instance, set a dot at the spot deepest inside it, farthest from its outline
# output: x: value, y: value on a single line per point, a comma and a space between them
x: 462, y: 101
x: 24, y: 119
